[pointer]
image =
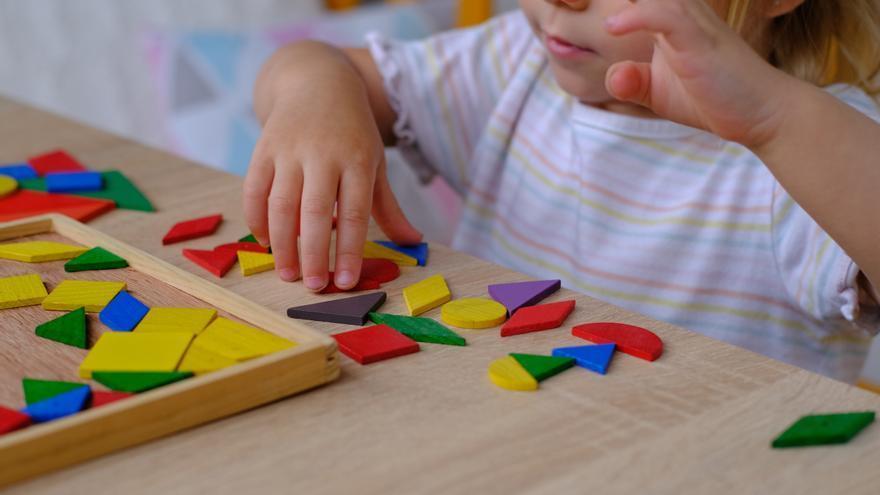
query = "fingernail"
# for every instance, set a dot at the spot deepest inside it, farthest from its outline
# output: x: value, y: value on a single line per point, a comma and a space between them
x: 315, y: 283
x: 344, y: 279
x: 289, y: 274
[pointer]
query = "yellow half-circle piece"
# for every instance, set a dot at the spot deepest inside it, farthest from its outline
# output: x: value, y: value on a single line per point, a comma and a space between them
x: 8, y: 185
x: 507, y: 373
x: 473, y: 313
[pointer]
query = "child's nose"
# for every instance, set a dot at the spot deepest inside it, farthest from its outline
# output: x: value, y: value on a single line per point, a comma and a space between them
x: 572, y: 4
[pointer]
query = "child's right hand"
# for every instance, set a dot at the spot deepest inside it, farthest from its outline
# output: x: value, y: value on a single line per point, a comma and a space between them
x: 321, y: 148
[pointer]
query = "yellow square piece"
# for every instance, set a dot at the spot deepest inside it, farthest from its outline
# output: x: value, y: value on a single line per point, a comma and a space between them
x: 426, y: 295
x: 239, y: 341
x: 75, y: 294
x: 23, y: 290
x: 373, y: 250
x: 199, y: 360
x: 39, y: 251
x: 128, y: 351
x: 252, y: 263
x: 191, y: 320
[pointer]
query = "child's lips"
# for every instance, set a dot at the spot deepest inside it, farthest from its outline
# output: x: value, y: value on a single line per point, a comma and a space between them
x: 563, y: 48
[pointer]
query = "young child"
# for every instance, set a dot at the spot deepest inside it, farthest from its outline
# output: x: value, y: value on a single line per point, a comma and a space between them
x: 674, y: 157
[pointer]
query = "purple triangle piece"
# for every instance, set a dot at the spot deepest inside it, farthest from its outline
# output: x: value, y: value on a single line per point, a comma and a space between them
x: 518, y: 294
x: 348, y: 311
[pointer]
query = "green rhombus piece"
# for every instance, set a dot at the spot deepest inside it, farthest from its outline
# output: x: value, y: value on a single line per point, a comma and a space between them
x: 96, y: 258
x: 137, y: 381
x: 824, y: 429
x: 419, y: 329
x: 68, y: 329
x: 40, y: 390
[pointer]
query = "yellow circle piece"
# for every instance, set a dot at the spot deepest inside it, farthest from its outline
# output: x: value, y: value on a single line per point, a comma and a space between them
x: 507, y: 373
x: 8, y: 185
x: 473, y: 313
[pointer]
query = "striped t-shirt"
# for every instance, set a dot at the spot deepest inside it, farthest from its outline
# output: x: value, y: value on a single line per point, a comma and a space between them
x: 652, y: 216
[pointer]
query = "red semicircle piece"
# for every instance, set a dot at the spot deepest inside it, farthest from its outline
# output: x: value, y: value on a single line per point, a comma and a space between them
x: 630, y: 339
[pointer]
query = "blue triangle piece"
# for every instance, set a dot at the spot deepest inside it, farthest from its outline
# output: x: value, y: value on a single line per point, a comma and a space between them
x: 123, y: 313
x: 220, y: 51
x: 592, y: 357
x: 419, y: 251
x: 59, y: 406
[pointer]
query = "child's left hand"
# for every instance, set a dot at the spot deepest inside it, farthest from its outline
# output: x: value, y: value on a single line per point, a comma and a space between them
x: 702, y: 73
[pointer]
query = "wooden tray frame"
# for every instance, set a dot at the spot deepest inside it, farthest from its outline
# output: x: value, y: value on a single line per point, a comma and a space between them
x: 94, y: 432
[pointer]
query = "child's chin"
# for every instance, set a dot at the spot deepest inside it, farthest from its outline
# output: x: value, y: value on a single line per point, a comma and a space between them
x: 587, y: 90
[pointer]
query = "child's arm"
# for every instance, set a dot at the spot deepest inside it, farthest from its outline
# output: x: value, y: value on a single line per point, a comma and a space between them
x: 821, y: 151
x: 326, y: 117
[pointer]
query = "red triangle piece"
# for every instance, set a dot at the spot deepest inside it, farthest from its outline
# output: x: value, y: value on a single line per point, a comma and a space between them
x: 55, y: 161
x: 102, y: 397
x: 11, y: 420
x: 24, y: 203
x: 536, y: 318
x: 192, y: 229
x: 216, y: 262
x: 630, y: 339
x: 243, y: 246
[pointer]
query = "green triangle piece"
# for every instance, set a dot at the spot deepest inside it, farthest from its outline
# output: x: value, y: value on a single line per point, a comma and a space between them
x: 40, y: 390
x: 137, y: 381
x: 543, y: 367
x: 419, y: 329
x: 117, y: 188
x: 68, y: 329
x: 96, y: 258
x: 824, y: 429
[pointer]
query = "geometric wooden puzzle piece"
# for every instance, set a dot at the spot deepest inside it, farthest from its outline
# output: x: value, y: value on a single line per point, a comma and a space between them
x: 11, y: 420
x: 536, y: 318
x: 543, y: 367
x: 216, y: 262
x: 55, y: 161
x: 426, y: 295
x: 40, y: 390
x: 362, y: 284
x: 375, y: 343
x: 123, y: 313
x: 418, y: 251
x: 419, y: 329
x: 250, y: 239
x: 70, y: 295
x: 21, y: 290
x: 238, y: 341
x: 518, y: 294
x: 67, y: 329
x: 382, y: 271
x: 824, y: 429
x: 373, y: 250
x: 23, y: 204
x: 199, y: 360
x: 104, y: 397
x: 135, y: 382
x: 252, y: 247
x: 117, y: 189
x: 18, y: 171
x: 508, y: 374
x: 124, y: 351
x: 62, y: 182
x: 473, y: 312
x: 191, y: 320
x: 592, y: 357
x: 353, y: 310
x: 630, y: 339
x: 252, y: 263
x: 8, y: 185
x: 192, y: 229
x: 59, y: 406
x: 39, y: 251
x: 96, y: 258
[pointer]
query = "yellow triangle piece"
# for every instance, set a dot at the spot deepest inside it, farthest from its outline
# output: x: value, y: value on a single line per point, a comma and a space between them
x: 373, y: 250
x: 199, y: 360
x: 426, y: 295
x: 74, y: 294
x: 191, y: 320
x: 39, y: 251
x: 507, y: 373
x: 253, y: 263
x: 130, y: 351
x: 22, y: 290
x: 474, y: 312
x: 238, y: 341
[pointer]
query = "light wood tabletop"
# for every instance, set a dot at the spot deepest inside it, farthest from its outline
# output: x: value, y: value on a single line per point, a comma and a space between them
x: 698, y: 420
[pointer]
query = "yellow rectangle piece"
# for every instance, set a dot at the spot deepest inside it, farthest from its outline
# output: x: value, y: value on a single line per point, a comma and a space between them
x: 74, y: 294
x: 239, y: 341
x: 40, y: 251
x: 22, y: 290
x: 191, y: 320
x: 129, y: 351
x: 374, y: 250
x: 426, y: 295
x: 253, y: 263
x: 199, y: 360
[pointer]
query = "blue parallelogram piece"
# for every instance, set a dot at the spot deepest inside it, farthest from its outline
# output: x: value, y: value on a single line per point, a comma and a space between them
x: 592, y: 357
x: 123, y: 313
x: 418, y: 251
x: 59, y: 406
x: 61, y: 182
x: 18, y: 171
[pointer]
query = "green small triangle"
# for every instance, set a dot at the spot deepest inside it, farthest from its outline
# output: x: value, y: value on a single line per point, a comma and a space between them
x: 543, y: 367
x: 117, y: 188
x: 68, y: 329
x: 137, y: 381
x: 419, y: 329
x: 96, y: 258
x: 40, y: 390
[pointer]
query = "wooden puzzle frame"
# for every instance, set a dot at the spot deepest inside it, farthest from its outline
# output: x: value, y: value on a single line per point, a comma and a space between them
x: 91, y: 433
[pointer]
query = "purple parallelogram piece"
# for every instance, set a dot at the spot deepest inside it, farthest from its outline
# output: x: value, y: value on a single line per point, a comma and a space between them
x: 518, y: 294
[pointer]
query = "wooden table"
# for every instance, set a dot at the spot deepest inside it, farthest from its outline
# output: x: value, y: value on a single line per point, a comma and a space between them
x: 699, y: 420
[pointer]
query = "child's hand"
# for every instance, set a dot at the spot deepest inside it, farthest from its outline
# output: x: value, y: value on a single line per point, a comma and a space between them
x: 702, y: 74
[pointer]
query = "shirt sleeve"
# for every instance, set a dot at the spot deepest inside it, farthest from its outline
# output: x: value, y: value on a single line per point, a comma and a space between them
x: 444, y: 89
x: 817, y: 273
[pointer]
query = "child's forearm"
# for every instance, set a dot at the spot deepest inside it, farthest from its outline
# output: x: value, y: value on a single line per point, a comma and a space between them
x: 825, y: 154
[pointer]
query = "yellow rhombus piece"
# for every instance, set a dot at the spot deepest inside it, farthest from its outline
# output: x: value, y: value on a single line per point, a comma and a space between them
x: 199, y: 360
x: 509, y: 374
x: 239, y: 341
x: 192, y: 320
x: 131, y: 351
x: 40, y: 251
x: 22, y: 290
x: 253, y: 263
x: 373, y: 250
x: 474, y: 312
x: 74, y: 294
x: 426, y: 295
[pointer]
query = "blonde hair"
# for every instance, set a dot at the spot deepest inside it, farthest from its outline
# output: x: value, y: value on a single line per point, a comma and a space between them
x: 824, y: 41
